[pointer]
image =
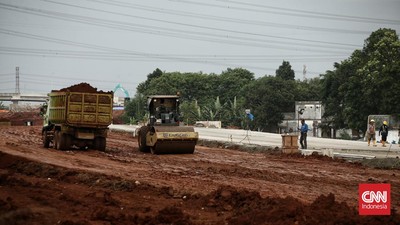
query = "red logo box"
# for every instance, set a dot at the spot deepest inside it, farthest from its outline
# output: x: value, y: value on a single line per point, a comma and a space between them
x: 374, y: 199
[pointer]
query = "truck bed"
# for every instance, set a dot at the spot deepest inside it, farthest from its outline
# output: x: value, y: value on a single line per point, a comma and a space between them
x: 81, y: 109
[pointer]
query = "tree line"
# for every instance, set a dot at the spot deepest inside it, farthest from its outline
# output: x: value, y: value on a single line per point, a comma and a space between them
x: 368, y: 82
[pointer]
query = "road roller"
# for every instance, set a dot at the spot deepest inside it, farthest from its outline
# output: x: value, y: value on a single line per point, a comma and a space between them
x: 163, y: 133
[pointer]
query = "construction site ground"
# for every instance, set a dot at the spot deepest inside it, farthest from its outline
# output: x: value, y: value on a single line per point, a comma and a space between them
x: 215, y: 185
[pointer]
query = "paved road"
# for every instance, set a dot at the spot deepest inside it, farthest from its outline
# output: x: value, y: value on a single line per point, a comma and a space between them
x: 342, y: 148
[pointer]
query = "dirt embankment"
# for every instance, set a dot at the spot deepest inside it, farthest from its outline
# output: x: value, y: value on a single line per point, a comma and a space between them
x: 9, y: 118
x: 212, y: 186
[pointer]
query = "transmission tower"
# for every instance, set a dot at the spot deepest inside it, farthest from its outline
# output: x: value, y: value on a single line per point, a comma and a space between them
x: 17, y: 80
x: 304, y: 72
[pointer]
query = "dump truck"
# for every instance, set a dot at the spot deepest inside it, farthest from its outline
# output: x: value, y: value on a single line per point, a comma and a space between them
x: 77, y: 116
x: 163, y: 133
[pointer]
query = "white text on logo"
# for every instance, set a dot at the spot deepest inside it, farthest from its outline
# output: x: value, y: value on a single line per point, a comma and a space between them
x: 372, y: 196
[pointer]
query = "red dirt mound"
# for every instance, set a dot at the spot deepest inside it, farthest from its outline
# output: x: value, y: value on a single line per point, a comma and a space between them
x: 117, y: 116
x: 250, y: 208
x: 22, y: 118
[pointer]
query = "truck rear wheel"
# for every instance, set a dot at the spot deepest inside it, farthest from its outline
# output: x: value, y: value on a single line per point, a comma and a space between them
x: 142, y: 139
x: 68, y: 141
x: 99, y: 143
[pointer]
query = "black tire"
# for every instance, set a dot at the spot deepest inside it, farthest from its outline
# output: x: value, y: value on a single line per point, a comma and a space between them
x: 68, y: 141
x: 62, y: 141
x: 103, y: 144
x: 191, y: 151
x: 45, y: 139
x: 142, y: 139
x: 56, y: 139
x: 99, y: 143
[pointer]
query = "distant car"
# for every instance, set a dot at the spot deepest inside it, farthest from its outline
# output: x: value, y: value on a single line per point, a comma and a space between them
x: 199, y: 125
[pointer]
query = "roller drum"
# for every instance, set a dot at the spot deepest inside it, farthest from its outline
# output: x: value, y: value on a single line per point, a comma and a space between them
x: 172, y: 140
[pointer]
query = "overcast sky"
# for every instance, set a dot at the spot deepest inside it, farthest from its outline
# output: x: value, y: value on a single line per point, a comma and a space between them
x: 58, y: 43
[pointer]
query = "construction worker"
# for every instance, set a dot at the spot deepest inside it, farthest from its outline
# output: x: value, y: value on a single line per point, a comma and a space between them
x: 384, y: 132
x: 371, y: 133
x: 303, y: 134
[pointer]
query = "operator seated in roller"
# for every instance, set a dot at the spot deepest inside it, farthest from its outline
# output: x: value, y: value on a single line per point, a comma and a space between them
x: 167, y: 117
x: 160, y: 110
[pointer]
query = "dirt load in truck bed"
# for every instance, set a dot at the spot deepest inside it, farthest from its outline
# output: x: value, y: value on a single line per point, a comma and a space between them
x: 81, y: 87
x: 213, y: 186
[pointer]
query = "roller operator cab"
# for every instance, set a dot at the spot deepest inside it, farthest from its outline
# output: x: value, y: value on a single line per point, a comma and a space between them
x: 163, y: 133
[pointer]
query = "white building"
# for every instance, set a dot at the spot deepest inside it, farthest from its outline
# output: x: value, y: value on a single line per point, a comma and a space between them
x: 310, y: 111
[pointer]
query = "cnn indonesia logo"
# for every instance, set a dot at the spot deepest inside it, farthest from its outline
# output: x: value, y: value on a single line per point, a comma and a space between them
x: 374, y: 199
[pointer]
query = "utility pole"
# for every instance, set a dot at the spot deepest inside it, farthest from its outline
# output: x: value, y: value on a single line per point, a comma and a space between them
x: 17, y: 91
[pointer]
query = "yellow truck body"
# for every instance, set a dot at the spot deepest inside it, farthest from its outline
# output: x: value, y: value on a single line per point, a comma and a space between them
x: 77, y: 116
x: 79, y: 109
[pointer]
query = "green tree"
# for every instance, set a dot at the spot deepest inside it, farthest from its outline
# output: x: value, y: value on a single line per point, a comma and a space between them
x: 308, y: 90
x: 268, y: 97
x: 366, y: 83
x: 142, y: 87
x: 332, y: 98
x: 191, y: 86
x: 231, y: 81
x: 198, y: 87
x: 206, y: 90
x: 213, y: 111
x: 233, y: 113
x: 285, y: 71
x: 135, y: 109
x: 224, y: 97
x: 190, y: 112
x: 381, y: 71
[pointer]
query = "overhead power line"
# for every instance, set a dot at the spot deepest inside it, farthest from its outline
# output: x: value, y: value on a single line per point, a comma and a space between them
x: 291, y: 12
x: 322, y: 15
x: 203, y: 27
x: 129, y: 57
x: 121, y: 51
x: 6, y: 81
x: 195, y: 35
x: 225, y: 19
x: 6, y: 74
x: 69, y: 77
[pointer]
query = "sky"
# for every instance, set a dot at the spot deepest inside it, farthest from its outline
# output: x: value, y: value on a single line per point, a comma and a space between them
x: 59, y: 43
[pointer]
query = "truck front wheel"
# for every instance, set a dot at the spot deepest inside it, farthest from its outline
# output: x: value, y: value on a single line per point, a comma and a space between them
x: 62, y: 141
x: 45, y: 139
x: 56, y: 139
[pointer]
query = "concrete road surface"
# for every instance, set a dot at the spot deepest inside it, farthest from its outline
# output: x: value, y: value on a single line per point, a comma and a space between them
x: 337, y: 147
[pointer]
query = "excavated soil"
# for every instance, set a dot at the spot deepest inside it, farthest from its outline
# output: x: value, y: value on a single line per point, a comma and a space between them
x: 81, y: 87
x: 212, y: 186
